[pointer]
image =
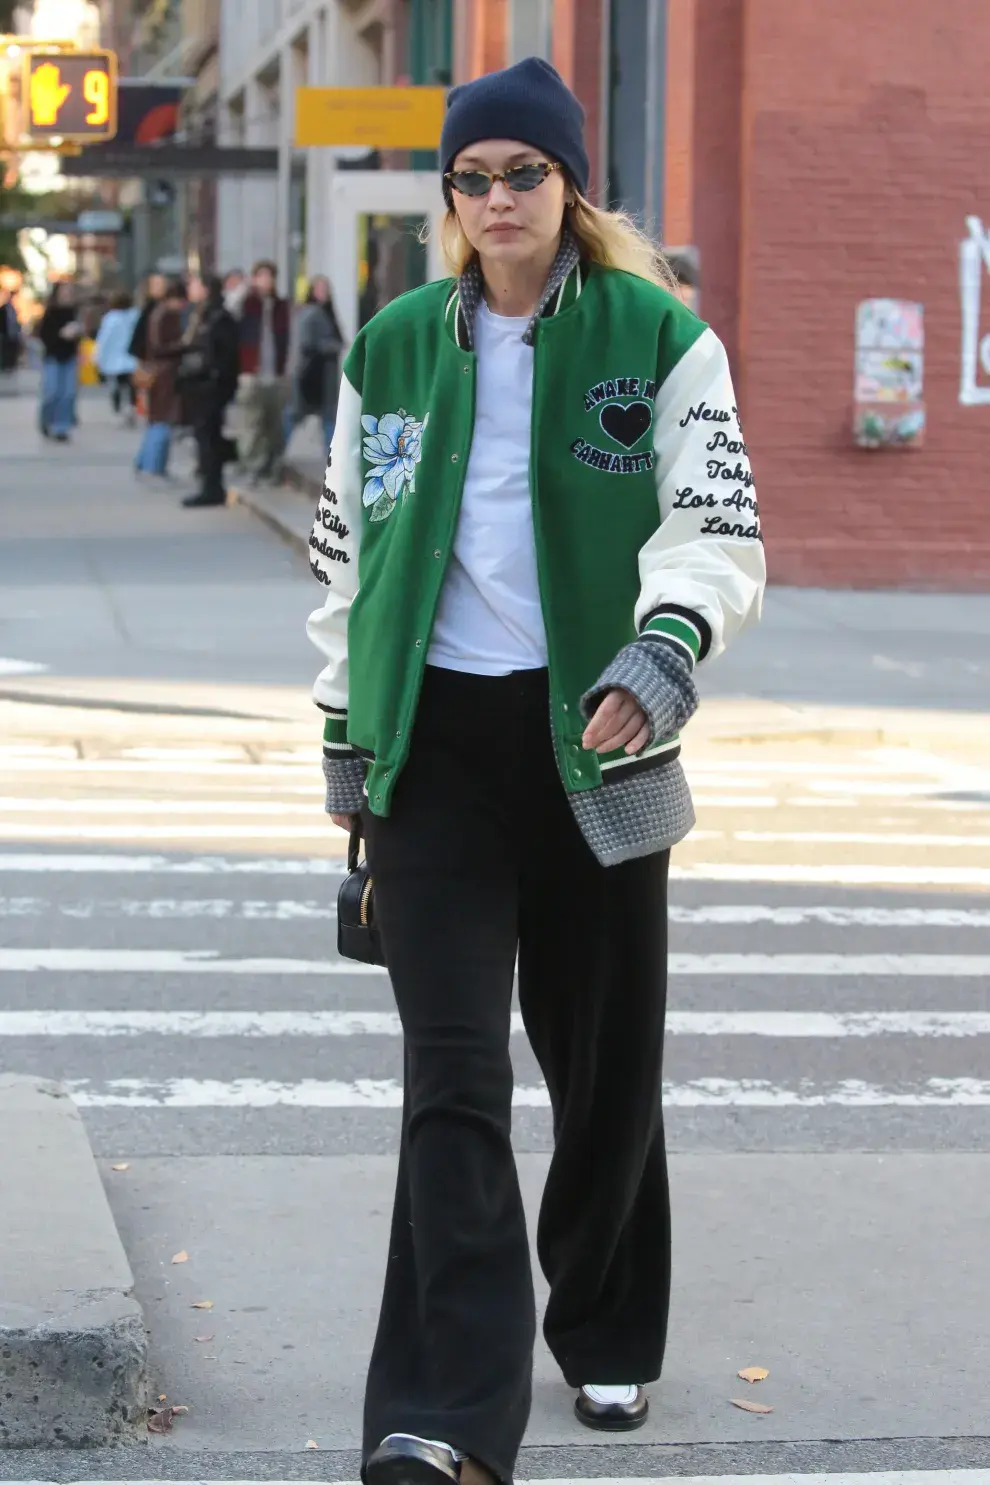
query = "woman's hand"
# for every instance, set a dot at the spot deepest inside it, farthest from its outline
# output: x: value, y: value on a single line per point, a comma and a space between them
x: 619, y: 722
x: 346, y: 822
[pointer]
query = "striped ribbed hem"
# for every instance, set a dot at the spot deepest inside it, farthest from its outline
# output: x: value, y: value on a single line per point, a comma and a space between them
x: 689, y: 631
x: 335, y: 734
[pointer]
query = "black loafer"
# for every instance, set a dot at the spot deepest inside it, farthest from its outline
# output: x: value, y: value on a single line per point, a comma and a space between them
x: 613, y: 1417
x: 402, y: 1461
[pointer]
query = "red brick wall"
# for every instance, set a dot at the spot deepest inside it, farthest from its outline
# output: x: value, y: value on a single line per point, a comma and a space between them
x: 865, y: 133
x: 717, y: 173
x: 577, y: 55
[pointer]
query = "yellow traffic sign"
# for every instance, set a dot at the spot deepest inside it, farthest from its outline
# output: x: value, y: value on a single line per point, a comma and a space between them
x: 379, y: 118
x: 71, y: 96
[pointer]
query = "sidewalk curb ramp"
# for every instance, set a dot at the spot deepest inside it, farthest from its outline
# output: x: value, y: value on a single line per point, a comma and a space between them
x: 287, y: 509
x: 73, y: 1343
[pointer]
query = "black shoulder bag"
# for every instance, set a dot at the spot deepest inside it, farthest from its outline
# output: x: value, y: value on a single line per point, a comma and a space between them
x: 358, y: 936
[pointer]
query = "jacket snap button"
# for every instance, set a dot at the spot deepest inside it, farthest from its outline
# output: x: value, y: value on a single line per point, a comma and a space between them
x: 419, y: 644
x: 437, y: 555
x: 378, y: 796
x: 454, y: 458
x: 577, y: 773
x: 565, y: 707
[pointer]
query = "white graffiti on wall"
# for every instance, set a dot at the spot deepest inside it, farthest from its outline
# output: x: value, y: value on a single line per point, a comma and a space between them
x: 974, y: 257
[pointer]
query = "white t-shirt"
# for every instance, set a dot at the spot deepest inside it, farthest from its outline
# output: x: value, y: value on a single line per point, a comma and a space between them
x: 489, y: 619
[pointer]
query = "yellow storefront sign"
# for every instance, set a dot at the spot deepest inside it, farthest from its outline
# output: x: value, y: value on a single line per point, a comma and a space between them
x: 379, y: 118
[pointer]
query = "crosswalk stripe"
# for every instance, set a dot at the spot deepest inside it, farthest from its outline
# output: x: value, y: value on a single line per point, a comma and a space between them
x: 838, y: 875
x: 30, y: 830
x: 208, y: 961
x: 95, y: 804
x: 856, y: 838
x: 386, y: 1093
x: 125, y: 865
x: 294, y: 910
x: 875, y: 1477
x: 266, y: 1024
x: 162, y: 909
x: 745, y: 914
x: 841, y: 874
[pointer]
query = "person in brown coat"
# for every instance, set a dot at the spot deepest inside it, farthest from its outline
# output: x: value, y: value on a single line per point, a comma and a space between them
x: 165, y: 347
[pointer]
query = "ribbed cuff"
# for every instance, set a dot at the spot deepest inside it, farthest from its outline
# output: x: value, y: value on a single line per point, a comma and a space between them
x: 345, y: 784
x: 689, y: 633
x: 658, y: 675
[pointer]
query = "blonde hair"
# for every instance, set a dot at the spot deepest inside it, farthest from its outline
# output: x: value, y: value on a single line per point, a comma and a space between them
x: 608, y: 238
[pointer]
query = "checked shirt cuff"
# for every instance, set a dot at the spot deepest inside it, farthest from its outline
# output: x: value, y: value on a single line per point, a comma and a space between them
x: 345, y: 784
x: 657, y: 676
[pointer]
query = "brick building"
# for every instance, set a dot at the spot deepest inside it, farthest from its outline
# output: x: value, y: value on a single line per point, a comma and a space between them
x: 817, y: 156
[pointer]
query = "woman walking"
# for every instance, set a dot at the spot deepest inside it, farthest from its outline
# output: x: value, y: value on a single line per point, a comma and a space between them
x: 538, y: 518
x: 159, y: 366
x: 59, y: 332
x: 316, y: 377
x: 113, y: 355
x: 207, y: 383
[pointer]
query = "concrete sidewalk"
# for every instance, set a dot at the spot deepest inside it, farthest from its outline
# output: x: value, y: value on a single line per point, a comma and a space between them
x: 72, y: 1337
x: 838, y: 1273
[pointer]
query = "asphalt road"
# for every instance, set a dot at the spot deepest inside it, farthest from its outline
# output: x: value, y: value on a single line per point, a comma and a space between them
x: 167, y: 948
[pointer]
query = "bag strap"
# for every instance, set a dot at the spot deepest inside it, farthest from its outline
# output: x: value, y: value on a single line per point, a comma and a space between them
x: 354, y: 847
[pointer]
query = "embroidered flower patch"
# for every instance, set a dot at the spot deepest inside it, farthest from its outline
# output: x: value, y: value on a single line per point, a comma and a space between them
x: 393, y: 448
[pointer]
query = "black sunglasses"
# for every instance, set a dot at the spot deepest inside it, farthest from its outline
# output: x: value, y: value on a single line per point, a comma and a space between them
x: 517, y: 178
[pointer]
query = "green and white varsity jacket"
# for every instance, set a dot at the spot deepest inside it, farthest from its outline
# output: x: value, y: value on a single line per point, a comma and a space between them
x: 645, y: 515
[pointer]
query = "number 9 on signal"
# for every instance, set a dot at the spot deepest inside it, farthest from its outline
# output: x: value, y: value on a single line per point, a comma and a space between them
x: 96, y: 91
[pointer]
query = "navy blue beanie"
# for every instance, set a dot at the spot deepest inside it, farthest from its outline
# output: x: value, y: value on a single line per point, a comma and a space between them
x: 530, y: 102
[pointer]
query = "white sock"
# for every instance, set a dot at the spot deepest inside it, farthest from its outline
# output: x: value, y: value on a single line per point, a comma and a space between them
x: 606, y: 1395
x: 436, y: 1443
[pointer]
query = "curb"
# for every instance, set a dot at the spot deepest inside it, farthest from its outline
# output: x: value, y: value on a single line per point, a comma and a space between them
x: 73, y: 1343
x: 282, y: 509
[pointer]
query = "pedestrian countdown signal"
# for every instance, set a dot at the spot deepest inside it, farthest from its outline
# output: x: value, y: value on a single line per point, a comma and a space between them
x: 71, y: 96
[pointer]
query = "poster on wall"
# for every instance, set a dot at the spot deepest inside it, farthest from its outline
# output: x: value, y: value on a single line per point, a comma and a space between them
x: 890, y: 370
x: 974, y: 266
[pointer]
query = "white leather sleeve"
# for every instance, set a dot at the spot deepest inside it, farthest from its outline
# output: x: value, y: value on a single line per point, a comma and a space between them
x: 706, y: 558
x: 333, y: 550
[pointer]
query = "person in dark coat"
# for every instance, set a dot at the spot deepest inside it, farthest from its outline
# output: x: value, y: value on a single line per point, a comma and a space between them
x: 10, y: 333
x: 165, y: 347
x: 207, y: 379
x: 316, y: 374
x: 59, y: 333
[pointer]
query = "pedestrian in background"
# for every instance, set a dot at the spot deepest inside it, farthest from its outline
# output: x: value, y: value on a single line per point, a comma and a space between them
x: 316, y: 374
x: 207, y: 378
x: 152, y: 295
x: 164, y: 348
x: 235, y: 290
x: 11, y: 341
x: 59, y: 331
x: 264, y: 350
x: 113, y: 354
x: 512, y: 475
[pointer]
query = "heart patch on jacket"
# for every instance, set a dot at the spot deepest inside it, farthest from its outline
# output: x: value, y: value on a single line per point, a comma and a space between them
x: 626, y: 424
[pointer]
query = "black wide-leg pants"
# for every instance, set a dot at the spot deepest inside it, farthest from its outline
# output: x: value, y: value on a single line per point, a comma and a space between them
x: 481, y: 857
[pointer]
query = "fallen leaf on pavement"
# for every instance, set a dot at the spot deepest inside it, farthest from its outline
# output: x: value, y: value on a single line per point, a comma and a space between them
x: 160, y: 1419
x: 749, y: 1407
x: 312, y: 1444
x: 162, y: 1396
x: 203, y: 1304
x: 126, y: 1166
x: 202, y: 1338
x: 181, y: 1257
x: 753, y: 1374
